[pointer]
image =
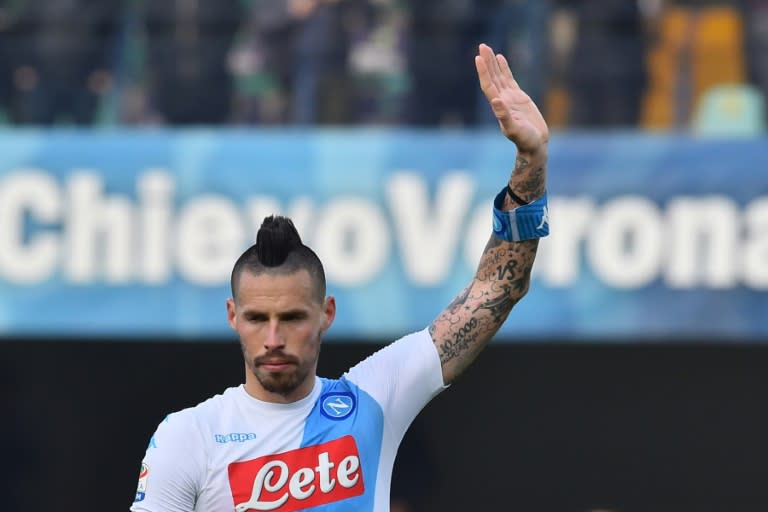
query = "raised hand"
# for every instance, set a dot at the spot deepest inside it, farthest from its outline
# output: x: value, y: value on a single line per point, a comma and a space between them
x: 519, y: 118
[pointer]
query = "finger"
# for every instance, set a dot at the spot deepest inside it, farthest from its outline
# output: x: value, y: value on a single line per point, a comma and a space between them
x: 486, y: 84
x: 509, y: 78
x: 486, y: 52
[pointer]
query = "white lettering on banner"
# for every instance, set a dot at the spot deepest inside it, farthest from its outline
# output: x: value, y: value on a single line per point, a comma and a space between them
x: 354, y: 243
x: 155, y: 191
x: 99, y: 230
x: 77, y: 230
x: 626, y: 242
x: 558, y: 262
x: 755, y: 252
x: 29, y: 191
x: 210, y: 238
x: 479, y: 232
x: 428, y: 236
x: 704, y: 235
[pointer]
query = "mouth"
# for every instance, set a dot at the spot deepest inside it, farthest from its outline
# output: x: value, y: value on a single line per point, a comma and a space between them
x: 276, y: 366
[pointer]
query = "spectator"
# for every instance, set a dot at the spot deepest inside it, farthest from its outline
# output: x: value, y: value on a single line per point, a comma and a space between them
x: 304, y: 47
x: 12, y: 50
x: 606, y: 75
x: 444, y: 36
x: 757, y: 43
x: 442, y: 41
x: 522, y: 28
x: 57, y: 57
x: 187, y: 46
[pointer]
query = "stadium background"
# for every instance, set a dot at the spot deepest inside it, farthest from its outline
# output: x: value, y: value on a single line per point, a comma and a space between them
x: 632, y: 377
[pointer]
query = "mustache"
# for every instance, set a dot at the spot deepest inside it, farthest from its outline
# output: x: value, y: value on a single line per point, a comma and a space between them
x: 275, y: 357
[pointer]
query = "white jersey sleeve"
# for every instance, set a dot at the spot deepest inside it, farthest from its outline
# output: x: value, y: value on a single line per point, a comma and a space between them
x: 174, y: 467
x: 402, y: 377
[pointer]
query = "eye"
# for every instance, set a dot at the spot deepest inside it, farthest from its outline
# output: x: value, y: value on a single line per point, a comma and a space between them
x: 294, y: 316
x: 255, y: 317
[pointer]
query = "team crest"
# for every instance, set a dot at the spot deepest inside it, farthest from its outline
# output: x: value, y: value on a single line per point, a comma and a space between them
x: 337, y: 406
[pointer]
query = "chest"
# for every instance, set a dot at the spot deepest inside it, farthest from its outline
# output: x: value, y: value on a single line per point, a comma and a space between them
x: 293, y: 461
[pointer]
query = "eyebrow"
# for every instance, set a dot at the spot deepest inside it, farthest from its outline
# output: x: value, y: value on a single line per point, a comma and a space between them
x: 290, y: 313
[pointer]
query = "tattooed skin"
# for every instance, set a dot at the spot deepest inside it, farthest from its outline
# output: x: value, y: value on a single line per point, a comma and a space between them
x: 528, y: 184
x: 463, y: 328
x: 500, y: 306
x: 520, y: 164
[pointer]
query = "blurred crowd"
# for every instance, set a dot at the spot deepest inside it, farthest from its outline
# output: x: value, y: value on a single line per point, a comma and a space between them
x: 587, y: 63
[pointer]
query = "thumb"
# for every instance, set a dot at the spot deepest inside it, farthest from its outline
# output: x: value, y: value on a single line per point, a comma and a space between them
x: 499, y: 109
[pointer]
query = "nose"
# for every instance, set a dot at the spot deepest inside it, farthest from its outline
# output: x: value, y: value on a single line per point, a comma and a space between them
x: 274, y: 339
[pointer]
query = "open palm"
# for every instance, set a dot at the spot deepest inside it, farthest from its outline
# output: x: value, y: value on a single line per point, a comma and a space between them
x: 519, y: 118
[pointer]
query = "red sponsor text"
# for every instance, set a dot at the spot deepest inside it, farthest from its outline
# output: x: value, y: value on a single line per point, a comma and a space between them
x: 298, y: 479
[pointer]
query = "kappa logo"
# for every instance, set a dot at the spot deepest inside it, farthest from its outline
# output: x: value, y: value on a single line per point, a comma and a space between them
x: 234, y: 437
x: 496, y: 225
x: 544, y: 219
x: 337, y: 406
x: 299, y: 479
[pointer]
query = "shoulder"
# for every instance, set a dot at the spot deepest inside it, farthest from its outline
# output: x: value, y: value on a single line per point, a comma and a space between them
x: 416, y: 348
x: 196, y: 421
x: 410, y: 359
x: 401, y: 378
x: 215, y: 405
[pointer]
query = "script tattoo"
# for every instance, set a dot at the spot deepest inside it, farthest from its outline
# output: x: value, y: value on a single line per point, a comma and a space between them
x: 503, y: 275
x: 474, y: 316
x: 459, y: 341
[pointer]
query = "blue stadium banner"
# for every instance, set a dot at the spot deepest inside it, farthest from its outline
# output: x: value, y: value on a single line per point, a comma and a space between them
x: 134, y: 233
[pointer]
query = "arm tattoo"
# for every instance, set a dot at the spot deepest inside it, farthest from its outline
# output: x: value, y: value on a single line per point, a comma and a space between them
x: 520, y: 165
x: 528, y: 182
x: 532, y: 186
x: 474, y: 316
x: 500, y: 306
x: 459, y: 301
x: 463, y: 328
x: 459, y: 341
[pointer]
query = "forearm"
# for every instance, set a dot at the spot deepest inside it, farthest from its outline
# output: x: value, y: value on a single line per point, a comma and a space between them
x: 463, y: 329
x: 529, y: 177
x: 502, y: 278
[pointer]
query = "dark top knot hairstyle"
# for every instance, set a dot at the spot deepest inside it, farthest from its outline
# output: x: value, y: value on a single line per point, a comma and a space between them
x: 279, y: 250
x: 275, y: 240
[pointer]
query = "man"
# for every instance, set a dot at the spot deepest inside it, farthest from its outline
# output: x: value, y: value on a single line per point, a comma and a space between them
x: 288, y: 440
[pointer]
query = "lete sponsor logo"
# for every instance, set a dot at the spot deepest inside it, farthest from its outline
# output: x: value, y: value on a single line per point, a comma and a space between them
x: 141, y: 489
x: 298, y: 479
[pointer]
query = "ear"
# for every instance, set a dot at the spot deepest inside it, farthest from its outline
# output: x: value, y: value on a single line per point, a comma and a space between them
x: 329, y: 313
x: 231, y: 314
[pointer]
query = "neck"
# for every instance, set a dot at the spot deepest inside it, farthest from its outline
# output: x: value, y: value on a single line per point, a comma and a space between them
x: 254, y: 388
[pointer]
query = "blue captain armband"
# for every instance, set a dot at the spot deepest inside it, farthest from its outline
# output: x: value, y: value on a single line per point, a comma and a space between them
x: 523, y: 223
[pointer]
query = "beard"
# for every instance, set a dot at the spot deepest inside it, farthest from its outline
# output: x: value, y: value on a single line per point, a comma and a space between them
x: 281, y: 382
x: 284, y: 382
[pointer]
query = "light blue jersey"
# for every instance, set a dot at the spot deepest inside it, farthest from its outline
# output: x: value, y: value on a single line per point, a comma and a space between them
x: 331, y: 451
